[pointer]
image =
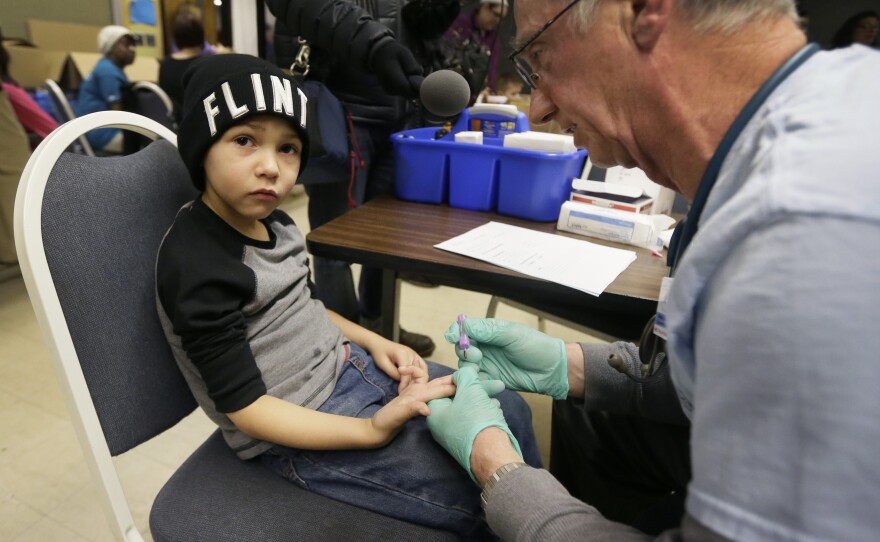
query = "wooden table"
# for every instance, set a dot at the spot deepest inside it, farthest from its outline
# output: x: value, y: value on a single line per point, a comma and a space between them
x: 399, y: 237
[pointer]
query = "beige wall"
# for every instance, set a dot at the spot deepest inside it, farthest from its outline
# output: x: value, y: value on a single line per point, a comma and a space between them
x: 15, y: 13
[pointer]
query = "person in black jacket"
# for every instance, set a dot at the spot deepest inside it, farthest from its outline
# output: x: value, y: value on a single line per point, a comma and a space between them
x: 362, y: 51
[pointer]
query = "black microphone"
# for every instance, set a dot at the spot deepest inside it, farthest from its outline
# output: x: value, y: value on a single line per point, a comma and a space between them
x: 445, y: 93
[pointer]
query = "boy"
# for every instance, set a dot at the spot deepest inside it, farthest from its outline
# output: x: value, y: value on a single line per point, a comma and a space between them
x: 508, y: 85
x: 267, y: 362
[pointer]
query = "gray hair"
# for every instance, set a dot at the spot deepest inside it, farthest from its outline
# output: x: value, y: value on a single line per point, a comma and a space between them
x: 724, y: 16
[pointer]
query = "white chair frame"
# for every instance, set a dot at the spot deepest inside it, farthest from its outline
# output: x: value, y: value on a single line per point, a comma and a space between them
x: 44, y: 297
x: 61, y: 98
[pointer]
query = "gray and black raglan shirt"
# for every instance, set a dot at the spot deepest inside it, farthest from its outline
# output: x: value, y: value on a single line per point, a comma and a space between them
x: 241, y: 320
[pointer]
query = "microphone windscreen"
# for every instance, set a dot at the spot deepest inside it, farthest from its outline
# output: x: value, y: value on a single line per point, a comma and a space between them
x: 445, y: 93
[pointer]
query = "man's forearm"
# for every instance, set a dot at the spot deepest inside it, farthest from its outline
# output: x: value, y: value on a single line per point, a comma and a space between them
x: 575, y: 359
x: 492, y: 449
x: 540, y: 508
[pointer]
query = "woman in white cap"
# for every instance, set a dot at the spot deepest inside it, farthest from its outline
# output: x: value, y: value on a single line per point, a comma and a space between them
x: 102, y: 90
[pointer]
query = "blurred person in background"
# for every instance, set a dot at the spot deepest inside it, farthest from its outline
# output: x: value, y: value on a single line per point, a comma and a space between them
x: 473, y: 45
x: 102, y: 89
x: 189, y: 39
x: 861, y: 28
x: 29, y: 114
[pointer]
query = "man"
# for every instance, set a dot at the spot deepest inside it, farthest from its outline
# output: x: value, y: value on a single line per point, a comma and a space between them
x: 771, y: 318
x: 102, y: 89
x: 361, y: 52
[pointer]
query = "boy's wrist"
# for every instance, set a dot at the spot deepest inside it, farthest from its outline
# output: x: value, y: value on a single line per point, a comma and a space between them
x: 376, y: 436
x: 372, y: 339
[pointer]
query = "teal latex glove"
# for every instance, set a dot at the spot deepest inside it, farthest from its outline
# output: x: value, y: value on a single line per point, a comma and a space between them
x: 523, y: 358
x: 455, y: 422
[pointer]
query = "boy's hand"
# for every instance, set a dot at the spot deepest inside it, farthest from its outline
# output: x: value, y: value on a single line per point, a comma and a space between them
x: 412, y: 402
x: 392, y: 357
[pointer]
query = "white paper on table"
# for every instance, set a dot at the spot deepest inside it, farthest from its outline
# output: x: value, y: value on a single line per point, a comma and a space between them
x: 581, y: 265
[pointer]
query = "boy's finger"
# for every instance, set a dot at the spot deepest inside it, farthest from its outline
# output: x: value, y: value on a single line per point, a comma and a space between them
x: 438, y: 391
x: 404, y: 383
x: 415, y: 372
x: 442, y: 380
x: 421, y: 408
x: 421, y: 363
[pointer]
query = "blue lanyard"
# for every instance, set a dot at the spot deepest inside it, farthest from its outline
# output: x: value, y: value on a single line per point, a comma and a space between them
x: 687, y: 228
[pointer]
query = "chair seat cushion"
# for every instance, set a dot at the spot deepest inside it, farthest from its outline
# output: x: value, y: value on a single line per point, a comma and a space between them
x: 216, y: 497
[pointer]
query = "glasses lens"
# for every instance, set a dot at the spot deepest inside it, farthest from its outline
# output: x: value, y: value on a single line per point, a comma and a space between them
x: 525, y: 71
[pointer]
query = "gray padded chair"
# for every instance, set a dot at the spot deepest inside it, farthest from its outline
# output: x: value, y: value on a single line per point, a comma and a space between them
x: 87, y: 231
x: 147, y: 99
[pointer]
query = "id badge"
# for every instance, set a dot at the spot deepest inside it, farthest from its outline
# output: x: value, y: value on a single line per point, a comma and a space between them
x: 660, y: 325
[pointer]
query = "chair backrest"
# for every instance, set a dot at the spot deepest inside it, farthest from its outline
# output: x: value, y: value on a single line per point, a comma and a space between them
x: 159, y: 97
x: 87, y: 231
x: 152, y: 102
x: 147, y: 99
x: 65, y: 113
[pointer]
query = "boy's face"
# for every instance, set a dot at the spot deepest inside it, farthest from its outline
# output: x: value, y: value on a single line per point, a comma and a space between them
x: 251, y: 169
x: 512, y: 91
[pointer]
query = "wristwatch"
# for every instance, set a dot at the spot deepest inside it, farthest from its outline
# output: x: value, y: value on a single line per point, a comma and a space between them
x: 490, y: 483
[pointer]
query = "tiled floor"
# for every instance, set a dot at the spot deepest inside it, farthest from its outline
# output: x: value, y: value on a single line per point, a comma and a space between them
x: 46, y: 493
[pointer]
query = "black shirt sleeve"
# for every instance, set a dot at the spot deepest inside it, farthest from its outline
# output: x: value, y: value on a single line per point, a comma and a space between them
x: 202, y: 286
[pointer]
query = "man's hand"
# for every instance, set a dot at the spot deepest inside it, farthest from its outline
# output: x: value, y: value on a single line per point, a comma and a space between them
x: 397, y: 69
x: 455, y: 423
x: 410, y: 403
x: 521, y: 357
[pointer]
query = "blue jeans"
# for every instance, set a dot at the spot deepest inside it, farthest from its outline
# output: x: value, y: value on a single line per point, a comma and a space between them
x: 412, y: 478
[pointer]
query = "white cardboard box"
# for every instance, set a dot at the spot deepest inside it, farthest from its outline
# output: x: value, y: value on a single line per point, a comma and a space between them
x: 642, y: 205
x: 612, y: 196
x: 539, y: 141
x: 613, y: 225
x: 663, y: 197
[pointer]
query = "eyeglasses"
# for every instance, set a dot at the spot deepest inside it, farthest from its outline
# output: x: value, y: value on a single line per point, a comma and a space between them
x: 523, y: 68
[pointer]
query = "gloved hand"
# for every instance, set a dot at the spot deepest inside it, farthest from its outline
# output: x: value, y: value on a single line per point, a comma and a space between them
x: 455, y: 422
x: 523, y: 358
x: 397, y: 69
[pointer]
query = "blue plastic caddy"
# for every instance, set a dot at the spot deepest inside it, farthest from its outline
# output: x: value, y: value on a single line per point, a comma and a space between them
x: 488, y: 177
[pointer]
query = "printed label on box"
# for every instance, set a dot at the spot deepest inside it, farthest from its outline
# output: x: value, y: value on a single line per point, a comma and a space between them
x: 609, y: 228
x: 641, y: 207
x: 493, y: 128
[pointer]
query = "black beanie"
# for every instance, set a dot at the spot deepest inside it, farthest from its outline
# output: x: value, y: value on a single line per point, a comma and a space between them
x: 220, y: 91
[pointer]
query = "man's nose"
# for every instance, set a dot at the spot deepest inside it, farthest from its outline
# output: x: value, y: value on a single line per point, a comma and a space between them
x: 541, y: 109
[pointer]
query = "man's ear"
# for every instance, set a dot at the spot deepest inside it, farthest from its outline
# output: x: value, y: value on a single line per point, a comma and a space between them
x: 650, y: 18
